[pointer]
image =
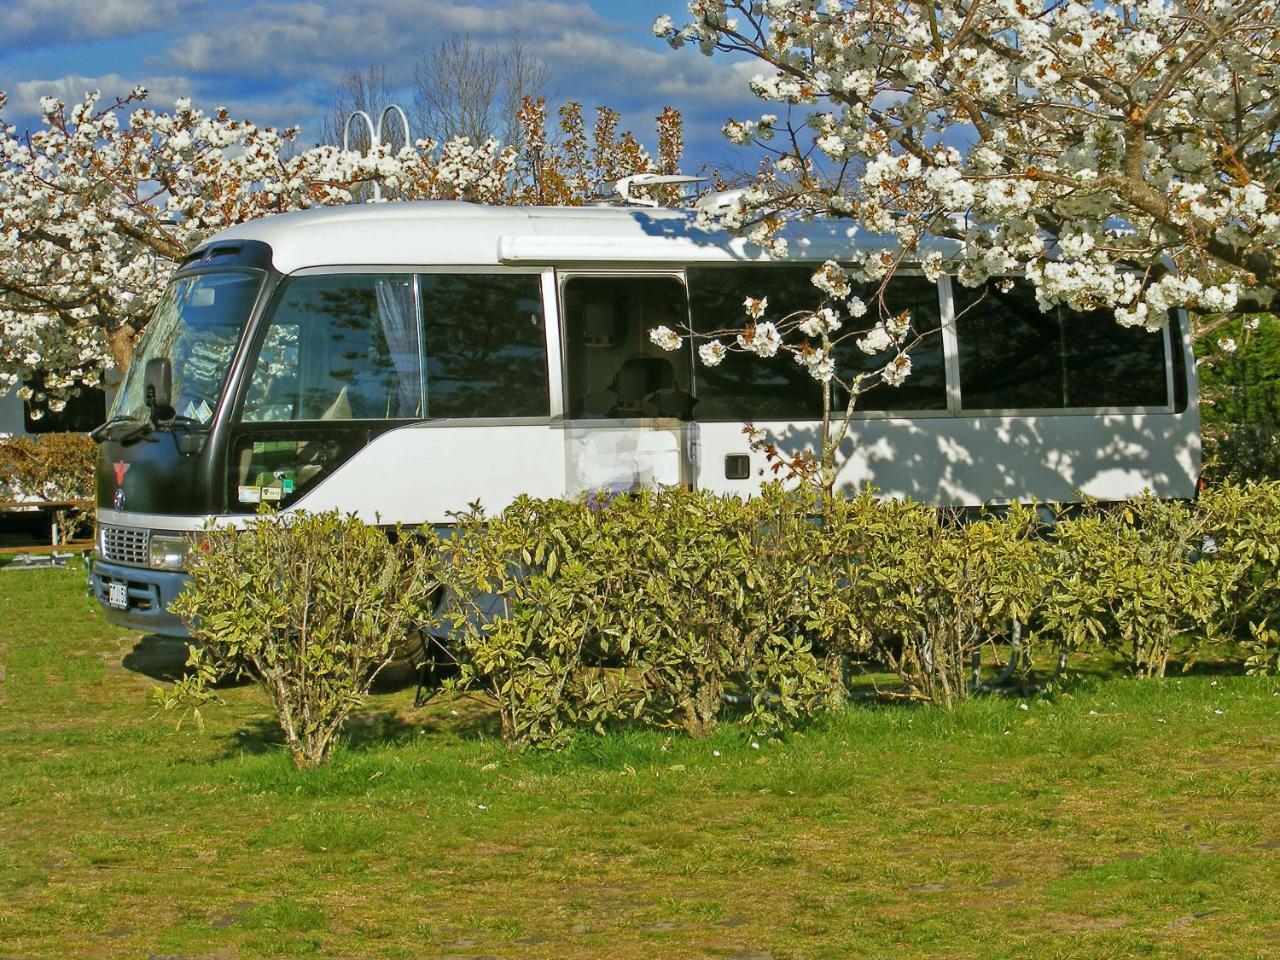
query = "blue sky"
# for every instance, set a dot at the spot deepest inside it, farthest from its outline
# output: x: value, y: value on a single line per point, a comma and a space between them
x: 276, y: 61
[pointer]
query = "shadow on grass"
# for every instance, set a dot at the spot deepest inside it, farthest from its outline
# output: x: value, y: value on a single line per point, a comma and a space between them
x: 404, y: 674
x: 360, y: 732
x: 371, y: 730
x: 160, y: 658
x: 1205, y: 668
x: 165, y: 659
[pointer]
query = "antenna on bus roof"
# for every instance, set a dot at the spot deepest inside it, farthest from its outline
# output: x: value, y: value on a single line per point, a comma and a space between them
x: 623, y: 186
x: 375, y: 134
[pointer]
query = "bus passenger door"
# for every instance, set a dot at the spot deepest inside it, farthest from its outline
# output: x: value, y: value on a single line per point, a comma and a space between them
x: 628, y: 403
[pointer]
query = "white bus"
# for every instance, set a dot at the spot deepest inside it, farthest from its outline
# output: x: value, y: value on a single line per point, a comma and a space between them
x: 402, y: 360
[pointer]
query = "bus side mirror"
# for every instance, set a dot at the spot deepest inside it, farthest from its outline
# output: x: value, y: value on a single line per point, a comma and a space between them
x: 157, y: 387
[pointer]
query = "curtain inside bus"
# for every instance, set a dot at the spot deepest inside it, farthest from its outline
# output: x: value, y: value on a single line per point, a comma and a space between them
x: 345, y: 357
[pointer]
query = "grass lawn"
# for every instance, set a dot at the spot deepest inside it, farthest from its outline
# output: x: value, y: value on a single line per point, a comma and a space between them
x: 1122, y: 819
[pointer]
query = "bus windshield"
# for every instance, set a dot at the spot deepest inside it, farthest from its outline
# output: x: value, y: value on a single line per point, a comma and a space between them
x: 196, y: 325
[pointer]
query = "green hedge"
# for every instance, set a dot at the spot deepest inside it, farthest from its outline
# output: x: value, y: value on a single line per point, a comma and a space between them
x: 650, y: 607
x: 684, y: 609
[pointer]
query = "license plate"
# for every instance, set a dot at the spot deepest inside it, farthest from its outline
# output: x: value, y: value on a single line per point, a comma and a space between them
x: 118, y: 595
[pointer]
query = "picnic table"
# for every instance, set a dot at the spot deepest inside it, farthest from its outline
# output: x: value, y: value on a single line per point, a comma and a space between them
x: 50, y: 506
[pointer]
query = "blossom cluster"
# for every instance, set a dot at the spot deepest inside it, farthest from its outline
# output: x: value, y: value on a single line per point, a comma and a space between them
x: 1121, y: 155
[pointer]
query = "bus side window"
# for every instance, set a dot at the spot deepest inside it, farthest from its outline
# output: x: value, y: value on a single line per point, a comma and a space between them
x: 926, y: 387
x: 614, y: 371
x: 339, y: 347
x: 485, y: 345
x: 745, y: 387
x: 1015, y: 356
x: 1109, y: 365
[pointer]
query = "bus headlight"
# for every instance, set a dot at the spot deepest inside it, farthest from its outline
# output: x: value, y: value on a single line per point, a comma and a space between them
x: 169, y: 551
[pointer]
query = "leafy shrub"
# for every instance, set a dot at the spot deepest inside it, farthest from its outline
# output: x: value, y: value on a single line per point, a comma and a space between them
x: 312, y: 607
x: 1241, y: 452
x: 1243, y: 524
x: 726, y: 590
x: 1240, y: 401
x: 797, y: 594
x: 1133, y: 580
x: 531, y: 616
x: 677, y: 607
x: 928, y: 587
x: 49, y: 466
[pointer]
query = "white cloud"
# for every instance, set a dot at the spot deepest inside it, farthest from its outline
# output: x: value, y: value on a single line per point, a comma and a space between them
x: 295, y: 49
x: 37, y: 23
x: 616, y: 70
x: 273, y: 38
x: 24, y: 98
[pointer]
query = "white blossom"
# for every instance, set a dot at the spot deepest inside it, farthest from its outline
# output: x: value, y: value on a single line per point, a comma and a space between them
x: 666, y: 338
x: 896, y: 370
x: 98, y: 204
x: 833, y: 280
x: 712, y: 353
x: 761, y: 339
x: 876, y: 340
x: 818, y: 362
x: 825, y: 320
x: 914, y: 118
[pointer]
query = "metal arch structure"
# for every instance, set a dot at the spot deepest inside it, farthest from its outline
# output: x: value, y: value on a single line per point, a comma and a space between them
x: 375, y: 133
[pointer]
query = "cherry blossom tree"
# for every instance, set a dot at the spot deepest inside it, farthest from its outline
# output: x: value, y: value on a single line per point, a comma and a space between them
x: 1123, y: 155
x: 98, y: 204
x: 1120, y: 156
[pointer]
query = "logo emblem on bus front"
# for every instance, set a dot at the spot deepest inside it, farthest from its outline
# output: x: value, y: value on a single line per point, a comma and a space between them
x: 121, y: 469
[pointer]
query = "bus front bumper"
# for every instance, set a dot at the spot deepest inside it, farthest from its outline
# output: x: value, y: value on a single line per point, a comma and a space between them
x: 147, y: 595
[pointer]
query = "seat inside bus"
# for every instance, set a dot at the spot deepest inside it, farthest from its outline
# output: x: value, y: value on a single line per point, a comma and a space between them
x: 614, y: 371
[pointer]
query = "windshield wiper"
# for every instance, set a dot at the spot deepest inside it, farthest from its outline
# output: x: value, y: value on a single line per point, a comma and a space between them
x: 123, y: 428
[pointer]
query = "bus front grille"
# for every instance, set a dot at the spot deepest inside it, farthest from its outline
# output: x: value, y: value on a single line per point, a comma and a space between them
x: 124, y: 545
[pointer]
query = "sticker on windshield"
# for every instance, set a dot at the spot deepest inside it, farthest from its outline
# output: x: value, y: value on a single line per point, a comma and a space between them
x: 201, y: 414
x: 250, y: 494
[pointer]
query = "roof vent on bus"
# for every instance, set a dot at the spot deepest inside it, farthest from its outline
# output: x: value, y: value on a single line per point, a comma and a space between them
x: 221, y: 252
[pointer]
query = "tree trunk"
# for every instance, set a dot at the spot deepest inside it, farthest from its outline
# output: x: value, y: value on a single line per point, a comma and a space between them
x: 122, y: 341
